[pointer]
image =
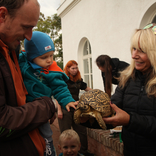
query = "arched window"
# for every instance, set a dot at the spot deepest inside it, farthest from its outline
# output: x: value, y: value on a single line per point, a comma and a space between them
x: 149, y: 16
x: 154, y: 19
x: 87, y: 64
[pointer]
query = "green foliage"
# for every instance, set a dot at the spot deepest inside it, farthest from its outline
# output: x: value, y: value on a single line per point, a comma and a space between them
x: 60, y: 64
x: 50, y: 25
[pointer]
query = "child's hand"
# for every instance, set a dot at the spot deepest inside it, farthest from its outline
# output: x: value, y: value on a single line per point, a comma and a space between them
x: 71, y: 104
x: 59, y: 114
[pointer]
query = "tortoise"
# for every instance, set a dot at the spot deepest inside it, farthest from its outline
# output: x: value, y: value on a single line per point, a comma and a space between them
x: 93, y: 104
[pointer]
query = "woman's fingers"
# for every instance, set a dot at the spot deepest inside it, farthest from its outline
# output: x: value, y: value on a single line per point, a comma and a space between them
x: 120, y: 118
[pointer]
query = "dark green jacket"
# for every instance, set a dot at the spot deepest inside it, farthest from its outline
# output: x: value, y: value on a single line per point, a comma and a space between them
x: 39, y: 84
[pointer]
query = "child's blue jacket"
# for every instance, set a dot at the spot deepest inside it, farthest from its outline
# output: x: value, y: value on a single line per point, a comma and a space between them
x: 39, y: 84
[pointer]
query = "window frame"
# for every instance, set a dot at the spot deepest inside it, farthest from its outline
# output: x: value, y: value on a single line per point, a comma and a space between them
x: 88, y: 57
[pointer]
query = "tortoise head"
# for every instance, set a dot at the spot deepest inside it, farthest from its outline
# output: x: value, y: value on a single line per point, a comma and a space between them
x: 83, y: 106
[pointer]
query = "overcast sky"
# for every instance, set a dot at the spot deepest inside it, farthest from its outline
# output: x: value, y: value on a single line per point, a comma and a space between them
x: 49, y: 7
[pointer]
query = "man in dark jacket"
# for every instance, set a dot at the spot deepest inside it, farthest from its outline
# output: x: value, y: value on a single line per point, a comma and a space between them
x: 19, y: 135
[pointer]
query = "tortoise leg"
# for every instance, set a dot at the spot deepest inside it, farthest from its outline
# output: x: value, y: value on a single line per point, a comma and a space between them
x: 100, y: 120
x: 77, y: 114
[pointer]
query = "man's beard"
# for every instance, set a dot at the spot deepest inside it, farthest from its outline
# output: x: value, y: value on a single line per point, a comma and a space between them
x: 10, y: 44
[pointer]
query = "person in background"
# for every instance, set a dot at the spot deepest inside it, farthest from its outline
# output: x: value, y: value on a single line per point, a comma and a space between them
x: 110, y: 68
x: 42, y: 77
x: 69, y: 143
x: 134, y: 100
x: 65, y: 118
x: 19, y: 121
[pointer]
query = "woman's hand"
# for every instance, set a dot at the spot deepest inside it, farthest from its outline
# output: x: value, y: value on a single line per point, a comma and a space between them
x: 71, y: 104
x: 121, y: 117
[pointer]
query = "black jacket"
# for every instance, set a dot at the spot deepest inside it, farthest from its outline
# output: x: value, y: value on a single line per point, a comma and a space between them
x: 74, y: 88
x: 139, y: 137
x: 117, y: 66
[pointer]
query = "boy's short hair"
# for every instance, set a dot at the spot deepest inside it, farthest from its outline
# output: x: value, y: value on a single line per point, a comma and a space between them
x: 69, y: 134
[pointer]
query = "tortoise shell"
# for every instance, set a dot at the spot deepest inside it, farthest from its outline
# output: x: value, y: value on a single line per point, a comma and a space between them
x: 95, y: 98
x: 93, y: 104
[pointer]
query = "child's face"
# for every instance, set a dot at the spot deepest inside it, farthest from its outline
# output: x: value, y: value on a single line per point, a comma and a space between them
x: 44, y: 60
x: 69, y: 147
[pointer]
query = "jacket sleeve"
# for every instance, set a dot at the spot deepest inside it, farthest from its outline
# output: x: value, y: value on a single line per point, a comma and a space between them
x: 142, y: 125
x: 17, y: 121
x: 83, y: 85
x: 117, y: 97
x: 123, y: 65
x: 60, y: 91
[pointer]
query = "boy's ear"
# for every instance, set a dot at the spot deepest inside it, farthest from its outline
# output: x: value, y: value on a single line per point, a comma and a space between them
x: 3, y: 14
x: 79, y: 146
x: 59, y: 148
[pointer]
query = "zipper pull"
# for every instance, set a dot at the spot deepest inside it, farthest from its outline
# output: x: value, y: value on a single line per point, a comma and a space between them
x: 142, y: 88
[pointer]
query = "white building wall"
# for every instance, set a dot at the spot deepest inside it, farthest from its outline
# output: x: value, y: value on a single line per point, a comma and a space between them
x: 108, y: 25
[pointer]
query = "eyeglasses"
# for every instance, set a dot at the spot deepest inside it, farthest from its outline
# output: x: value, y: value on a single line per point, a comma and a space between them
x: 149, y: 26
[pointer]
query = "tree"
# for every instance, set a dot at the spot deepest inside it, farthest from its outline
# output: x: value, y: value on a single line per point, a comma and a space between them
x: 52, y: 26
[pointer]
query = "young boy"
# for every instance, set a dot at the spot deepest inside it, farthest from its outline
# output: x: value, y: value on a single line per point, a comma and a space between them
x: 69, y: 143
x: 42, y: 77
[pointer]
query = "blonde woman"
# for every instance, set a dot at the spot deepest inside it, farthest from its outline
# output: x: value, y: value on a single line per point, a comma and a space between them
x: 134, y: 100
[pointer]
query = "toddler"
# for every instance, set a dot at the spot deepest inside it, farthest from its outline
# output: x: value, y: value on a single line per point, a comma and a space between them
x: 42, y: 77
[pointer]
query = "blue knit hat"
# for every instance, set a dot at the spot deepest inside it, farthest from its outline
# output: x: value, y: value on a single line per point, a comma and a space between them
x: 39, y: 44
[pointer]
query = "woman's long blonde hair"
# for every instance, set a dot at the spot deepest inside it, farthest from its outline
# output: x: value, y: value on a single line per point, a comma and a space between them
x: 68, y: 65
x: 144, y: 40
